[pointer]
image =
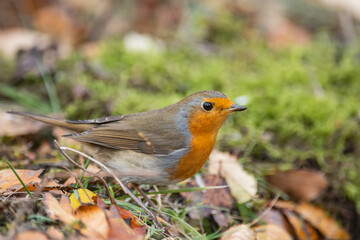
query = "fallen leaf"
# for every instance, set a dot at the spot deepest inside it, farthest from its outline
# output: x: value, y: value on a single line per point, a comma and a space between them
x: 302, y: 184
x: 15, y: 39
x: 54, y: 234
x: 239, y: 232
x: 30, y: 234
x: 66, y: 205
x: 120, y: 230
x: 271, y: 232
x: 93, y: 217
x: 128, y: 217
x: 243, y: 186
x: 9, y: 182
x: 285, y: 205
x: 315, y: 216
x: 82, y: 196
x: 210, y: 197
x: 17, y: 126
x: 56, y: 211
x: 302, y: 229
x: 69, y: 181
x: 95, y: 221
x: 274, y: 216
x: 321, y: 221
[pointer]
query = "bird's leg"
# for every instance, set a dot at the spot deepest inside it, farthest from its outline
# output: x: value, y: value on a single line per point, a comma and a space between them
x: 152, y: 204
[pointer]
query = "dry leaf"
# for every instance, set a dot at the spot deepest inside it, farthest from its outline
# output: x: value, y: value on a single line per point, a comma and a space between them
x: 10, y: 183
x: 57, y: 211
x: 17, y: 126
x: 211, y: 197
x: 66, y: 205
x: 271, y: 232
x: 243, y: 186
x: 99, y: 223
x: 302, y: 184
x: 292, y: 223
x: 54, y: 234
x: 128, y: 217
x: 321, y: 221
x: 16, y: 39
x: 120, y: 230
x: 95, y: 221
x: 301, y: 228
x: 239, y: 232
x: 316, y: 216
x: 274, y: 216
x: 30, y: 234
x: 82, y: 196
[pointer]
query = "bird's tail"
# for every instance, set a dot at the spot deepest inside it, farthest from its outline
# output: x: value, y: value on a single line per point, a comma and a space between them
x: 72, y: 126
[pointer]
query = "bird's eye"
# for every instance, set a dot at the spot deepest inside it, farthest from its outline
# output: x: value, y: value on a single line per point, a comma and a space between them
x: 207, y: 106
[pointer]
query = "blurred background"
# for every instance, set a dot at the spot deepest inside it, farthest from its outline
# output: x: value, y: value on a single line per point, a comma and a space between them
x: 294, y: 63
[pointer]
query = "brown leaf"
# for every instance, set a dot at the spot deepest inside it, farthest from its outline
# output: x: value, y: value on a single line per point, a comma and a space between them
x: 95, y: 221
x: 31, y: 235
x: 54, y: 234
x: 271, y: 232
x: 321, y: 221
x: 98, y: 222
x: 212, y: 197
x: 120, y: 230
x: 57, y: 211
x: 239, y: 232
x: 66, y: 205
x: 302, y: 229
x: 243, y: 186
x: 302, y: 184
x: 15, y: 39
x: 128, y: 217
x: 10, y: 183
x: 16, y: 126
x: 316, y: 216
x: 274, y: 216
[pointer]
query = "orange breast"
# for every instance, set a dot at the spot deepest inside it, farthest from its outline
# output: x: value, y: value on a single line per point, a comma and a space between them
x: 203, y: 129
x: 201, y: 147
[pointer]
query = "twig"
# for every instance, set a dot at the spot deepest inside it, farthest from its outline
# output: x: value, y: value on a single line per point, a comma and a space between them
x: 85, y: 170
x: 149, y: 201
x: 266, y: 211
x: 126, y: 190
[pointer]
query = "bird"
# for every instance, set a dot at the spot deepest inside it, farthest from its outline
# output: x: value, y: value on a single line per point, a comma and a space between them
x: 156, y: 147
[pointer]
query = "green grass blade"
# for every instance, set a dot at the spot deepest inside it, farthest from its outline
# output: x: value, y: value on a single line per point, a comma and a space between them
x: 18, y: 177
x: 50, y: 87
x: 179, y: 190
x: 26, y: 99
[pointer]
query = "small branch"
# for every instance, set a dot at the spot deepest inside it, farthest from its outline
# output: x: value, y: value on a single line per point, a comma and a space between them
x: 126, y: 190
x: 85, y: 170
x: 266, y: 211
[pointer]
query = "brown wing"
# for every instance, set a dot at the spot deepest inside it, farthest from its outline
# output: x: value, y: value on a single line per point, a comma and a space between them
x: 120, y: 136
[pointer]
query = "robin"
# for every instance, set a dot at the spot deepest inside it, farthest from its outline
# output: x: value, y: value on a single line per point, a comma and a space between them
x: 158, y: 147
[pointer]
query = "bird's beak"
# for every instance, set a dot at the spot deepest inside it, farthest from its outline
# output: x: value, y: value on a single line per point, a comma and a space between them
x: 236, y: 108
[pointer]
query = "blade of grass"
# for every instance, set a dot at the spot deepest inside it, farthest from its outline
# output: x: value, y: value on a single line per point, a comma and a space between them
x: 179, y: 190
x: 86, y: 165
x: 18, y: 177
x: 50, y: 86
x: 41, y: 218
x: 26, y: 99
